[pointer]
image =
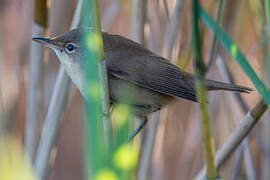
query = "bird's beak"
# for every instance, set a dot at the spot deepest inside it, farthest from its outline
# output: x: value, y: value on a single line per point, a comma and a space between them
x: 42, y: 40
x: 45, y: 41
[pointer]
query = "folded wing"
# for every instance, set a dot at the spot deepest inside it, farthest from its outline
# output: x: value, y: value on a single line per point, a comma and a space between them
x: 153, y: 72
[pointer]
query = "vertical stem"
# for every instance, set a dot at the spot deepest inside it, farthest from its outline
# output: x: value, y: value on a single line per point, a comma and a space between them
x: 266, y: 123
x: 171, y: 33
x: 110, y: 14
x: 170, y: 36
x: 52, y: 122
x: 214, y: 41
x: 56, y: 106
x: 147, y: 149
x: 173, y: 29
x: 165, y: 4
x: 107, y: 124
x: 97, y: 133
x: 201, y: 94
x: 268, y: 12
x: 138, y: 20
x: 2, y: 108
x: 35, y: 80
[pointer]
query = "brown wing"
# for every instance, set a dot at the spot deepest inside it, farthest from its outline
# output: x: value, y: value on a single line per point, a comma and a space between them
x: 151, y: 72
x: 132, y: 62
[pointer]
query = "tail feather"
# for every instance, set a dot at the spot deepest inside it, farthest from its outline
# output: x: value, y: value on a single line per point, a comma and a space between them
x: 215, y: 85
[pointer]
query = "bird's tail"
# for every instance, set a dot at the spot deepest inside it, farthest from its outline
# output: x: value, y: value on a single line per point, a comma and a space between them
x: 215, y: 85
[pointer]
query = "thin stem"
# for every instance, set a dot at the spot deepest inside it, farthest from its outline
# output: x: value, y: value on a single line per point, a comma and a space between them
x: 236, y: 111
x: 56, y: 106
x: 173, y: 29
x: 201, y: 94
x: 2, y: 108
x: 246, y: 125
x: 170, y: 36
x: 238, y: 96
x: 237, y: 163
x: 214, y: 41
x: 245, y: 108
x: 107, y: 124
x: 110, y: 14
x: 138, y: 20
x: 147, y: 149
x: 33, y: 118
x: 52, y: 122
x: 165, y: 3
x: 265, y: 163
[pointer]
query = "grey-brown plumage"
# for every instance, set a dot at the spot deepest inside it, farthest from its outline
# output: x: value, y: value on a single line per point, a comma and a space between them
x: 156, y: 80
x: 135, y: 75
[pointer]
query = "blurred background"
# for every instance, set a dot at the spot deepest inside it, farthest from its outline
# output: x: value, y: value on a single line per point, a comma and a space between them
x: 178, y: 147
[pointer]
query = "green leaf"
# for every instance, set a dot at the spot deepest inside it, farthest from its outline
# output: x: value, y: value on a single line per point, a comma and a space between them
x: 235, y: 52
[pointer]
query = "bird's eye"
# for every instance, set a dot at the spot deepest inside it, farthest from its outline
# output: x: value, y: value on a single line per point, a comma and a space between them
x: 70, y: 47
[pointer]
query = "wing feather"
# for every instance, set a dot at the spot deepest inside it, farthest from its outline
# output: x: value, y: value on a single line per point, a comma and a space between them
x: 155, y: 73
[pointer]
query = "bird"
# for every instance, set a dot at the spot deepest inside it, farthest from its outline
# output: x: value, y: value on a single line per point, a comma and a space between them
x: 136, y: 75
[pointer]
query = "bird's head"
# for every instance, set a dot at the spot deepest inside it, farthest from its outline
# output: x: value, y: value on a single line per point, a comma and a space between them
x: 68, y: 48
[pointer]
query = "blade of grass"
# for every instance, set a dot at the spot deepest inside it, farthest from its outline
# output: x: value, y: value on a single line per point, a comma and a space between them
x: 209, y: 148
x: 235, y: 52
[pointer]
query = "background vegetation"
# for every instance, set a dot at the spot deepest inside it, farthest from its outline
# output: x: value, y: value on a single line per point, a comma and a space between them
x: 172, y: 145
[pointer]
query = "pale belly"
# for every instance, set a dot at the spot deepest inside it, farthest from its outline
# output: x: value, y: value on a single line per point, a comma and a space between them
x: 142, y: 100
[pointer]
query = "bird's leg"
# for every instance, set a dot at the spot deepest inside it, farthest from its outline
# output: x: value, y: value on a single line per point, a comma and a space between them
x: 138, y: 129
